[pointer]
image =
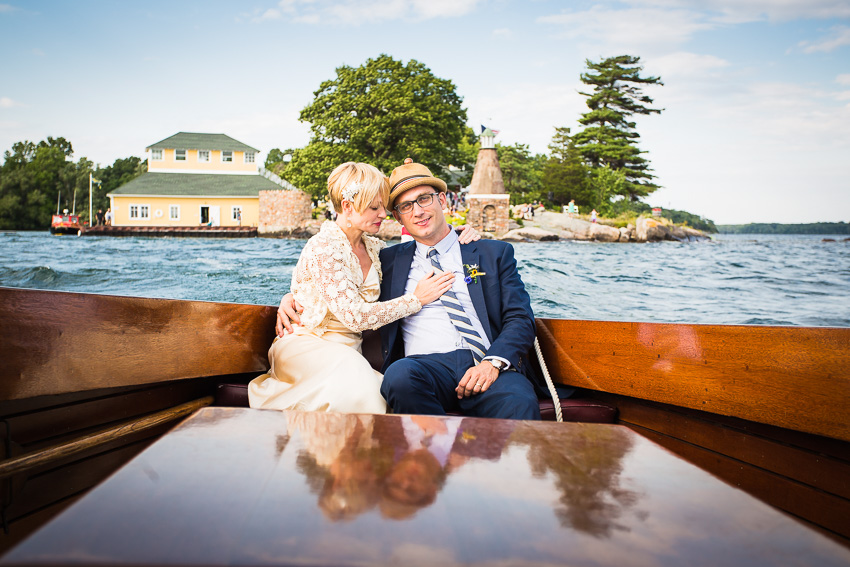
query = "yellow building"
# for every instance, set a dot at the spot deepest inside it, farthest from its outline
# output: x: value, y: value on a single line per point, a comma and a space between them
x: 195, y: 179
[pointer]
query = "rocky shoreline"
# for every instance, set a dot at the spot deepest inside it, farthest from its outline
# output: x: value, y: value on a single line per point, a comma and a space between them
x: 549, y: 226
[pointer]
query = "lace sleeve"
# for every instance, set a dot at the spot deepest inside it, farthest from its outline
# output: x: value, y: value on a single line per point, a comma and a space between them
x: 334, y: 283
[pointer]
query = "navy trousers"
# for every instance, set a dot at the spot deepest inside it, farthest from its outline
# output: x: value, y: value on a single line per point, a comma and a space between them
x: 425, y: 384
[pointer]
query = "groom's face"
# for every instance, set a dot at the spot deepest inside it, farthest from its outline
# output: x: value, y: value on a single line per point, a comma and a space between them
x: 425, y: 224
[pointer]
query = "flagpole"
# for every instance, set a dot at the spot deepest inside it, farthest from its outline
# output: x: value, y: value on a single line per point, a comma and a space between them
x: 90, y: 217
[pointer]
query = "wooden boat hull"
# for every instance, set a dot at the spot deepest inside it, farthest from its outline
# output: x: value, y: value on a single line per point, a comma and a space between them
x: 763, y: 408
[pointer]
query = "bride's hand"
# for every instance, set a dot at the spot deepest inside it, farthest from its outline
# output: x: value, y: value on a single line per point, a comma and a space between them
x: 432, y: 286
x: 467, y: 234
x: 287, y: 314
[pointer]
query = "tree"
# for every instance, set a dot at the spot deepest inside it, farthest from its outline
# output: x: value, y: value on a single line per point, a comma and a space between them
x: 34, y: 177
x: 565, y: 176
x: 121, y: 172
x: 379, y: 113
x: 609, y: 137
x: 522, y: 172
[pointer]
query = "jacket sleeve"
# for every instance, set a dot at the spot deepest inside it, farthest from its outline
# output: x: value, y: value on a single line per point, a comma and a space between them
x: 516, y: 317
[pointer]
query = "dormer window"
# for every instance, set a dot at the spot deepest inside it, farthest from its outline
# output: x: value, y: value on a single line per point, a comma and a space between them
x: 204, y: 155
x: 179, y: 155
x: 249, y: 157
x: 156, y: 154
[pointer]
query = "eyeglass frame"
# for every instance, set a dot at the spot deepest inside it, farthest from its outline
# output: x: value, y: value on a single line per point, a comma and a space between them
x: 415, y: 202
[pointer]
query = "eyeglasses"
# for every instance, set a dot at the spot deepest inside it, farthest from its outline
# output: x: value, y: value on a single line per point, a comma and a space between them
x: 423, y: 201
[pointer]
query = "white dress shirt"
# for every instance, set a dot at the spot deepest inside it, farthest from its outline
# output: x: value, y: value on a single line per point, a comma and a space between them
x: 430, y: 330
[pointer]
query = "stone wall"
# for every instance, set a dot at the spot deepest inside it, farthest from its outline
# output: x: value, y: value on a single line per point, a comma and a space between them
x: 489, y: 213
x: 283, y: 212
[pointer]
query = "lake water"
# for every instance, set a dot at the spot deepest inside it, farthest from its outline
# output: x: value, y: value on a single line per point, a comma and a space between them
x: 734, y: 279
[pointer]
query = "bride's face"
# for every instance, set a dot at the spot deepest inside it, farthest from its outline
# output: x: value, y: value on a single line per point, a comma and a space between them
x: 370, y: 219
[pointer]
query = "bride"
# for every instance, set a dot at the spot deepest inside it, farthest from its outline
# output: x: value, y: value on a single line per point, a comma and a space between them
x: 319, y: 367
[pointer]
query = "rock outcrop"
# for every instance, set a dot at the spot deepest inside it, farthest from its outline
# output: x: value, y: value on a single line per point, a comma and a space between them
x: 529, y: 233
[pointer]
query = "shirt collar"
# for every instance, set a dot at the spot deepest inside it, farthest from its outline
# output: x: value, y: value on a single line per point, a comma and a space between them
x: 442, y: 246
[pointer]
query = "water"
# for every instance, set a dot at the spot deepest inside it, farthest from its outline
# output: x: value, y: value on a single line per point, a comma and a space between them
x: 734, y: 279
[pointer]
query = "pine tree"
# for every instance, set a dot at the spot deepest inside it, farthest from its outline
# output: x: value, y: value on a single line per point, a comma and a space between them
x: 609, y: 137
x: 565, y: 176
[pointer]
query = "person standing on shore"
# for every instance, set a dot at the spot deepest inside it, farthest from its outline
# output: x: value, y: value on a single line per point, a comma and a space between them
x: 593, y: 215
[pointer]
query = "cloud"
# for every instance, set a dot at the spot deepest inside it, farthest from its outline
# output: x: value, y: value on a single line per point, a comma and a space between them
x: 843, y: 79
x: 839, y: 36
x: 741, y: 11
x: 370, y: 11
x: 635, y: 29
x: 6, y: 102
x: 503, y: 33
x: 8, y: 8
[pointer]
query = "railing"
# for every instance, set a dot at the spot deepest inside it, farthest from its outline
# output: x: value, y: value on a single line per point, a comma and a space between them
x: 273, y: 177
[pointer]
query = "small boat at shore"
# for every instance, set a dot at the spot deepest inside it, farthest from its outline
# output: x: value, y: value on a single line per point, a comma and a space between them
x: 66, y: 223
x: 764, y: 409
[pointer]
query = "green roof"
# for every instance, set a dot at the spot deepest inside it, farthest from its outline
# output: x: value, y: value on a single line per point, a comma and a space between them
x: 197, y: 184
x: 196, y: 141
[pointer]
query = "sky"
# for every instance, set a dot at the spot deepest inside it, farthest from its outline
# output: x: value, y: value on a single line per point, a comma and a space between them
x: 756, y: 97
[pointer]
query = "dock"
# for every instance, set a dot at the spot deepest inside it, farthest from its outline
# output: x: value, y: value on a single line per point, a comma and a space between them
x: 197, y: 231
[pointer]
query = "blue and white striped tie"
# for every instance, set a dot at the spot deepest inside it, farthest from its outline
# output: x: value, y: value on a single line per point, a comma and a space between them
x: 458, y: 315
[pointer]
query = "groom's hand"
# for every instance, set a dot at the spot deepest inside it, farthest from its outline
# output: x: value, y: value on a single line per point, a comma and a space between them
x: 287, y: 313
x: 476, y: 380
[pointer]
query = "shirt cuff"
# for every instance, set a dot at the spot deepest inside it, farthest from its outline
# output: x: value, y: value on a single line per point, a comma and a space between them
x: 506, y: 361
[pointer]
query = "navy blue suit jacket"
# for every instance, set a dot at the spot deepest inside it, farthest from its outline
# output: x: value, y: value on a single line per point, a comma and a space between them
x: 500, y: 300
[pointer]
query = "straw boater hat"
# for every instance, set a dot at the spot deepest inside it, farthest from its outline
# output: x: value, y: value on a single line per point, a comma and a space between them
x: 412, y: 175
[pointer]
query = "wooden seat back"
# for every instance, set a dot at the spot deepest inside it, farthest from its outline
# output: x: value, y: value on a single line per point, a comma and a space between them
x: 792, y: 377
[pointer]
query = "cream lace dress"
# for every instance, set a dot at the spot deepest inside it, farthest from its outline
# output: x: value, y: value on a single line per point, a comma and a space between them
x: 320, y: 366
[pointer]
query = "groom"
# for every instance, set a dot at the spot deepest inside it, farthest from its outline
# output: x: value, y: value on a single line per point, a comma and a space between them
x: 466, y: 352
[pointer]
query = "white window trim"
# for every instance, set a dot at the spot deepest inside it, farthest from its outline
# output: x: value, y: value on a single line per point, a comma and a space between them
x: 209, y: 156
x: 177, y: 218
x: 185, y: 154
x: 222, y: 156
x: 161, y: 154
x: 245, y: 157
x: 233, y: 209
x: 139, y: 216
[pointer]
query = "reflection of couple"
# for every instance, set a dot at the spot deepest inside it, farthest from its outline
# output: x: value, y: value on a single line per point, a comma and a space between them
x: 449, y: 343
x: 399, y: 464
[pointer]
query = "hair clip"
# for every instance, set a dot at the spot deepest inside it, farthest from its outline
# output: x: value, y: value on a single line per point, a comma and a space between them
x: 351, y: 190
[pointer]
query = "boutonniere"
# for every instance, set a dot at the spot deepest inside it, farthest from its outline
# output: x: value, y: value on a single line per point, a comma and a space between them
x: 472, y: 273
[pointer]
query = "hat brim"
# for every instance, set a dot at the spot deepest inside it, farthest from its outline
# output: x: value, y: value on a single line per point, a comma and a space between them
x: 412, y: 183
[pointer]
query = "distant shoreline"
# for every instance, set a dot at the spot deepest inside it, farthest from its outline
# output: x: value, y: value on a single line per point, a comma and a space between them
x: 780, y: 228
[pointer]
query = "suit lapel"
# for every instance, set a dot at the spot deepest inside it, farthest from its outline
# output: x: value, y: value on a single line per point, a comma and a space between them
x: 469, y: 254
x: 401, y: 268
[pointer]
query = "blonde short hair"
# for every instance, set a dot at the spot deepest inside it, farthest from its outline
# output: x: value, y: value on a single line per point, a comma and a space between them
x: 372, y: 182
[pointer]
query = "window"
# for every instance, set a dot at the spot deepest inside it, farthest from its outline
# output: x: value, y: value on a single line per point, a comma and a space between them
x: 236, y: 214
x: 203, y: 155
x: 156, y: 154
x: 141, y: 212
x: 180, y: 155
x: 226, y: 156
x: 174, y: 212
x: 249, y: 157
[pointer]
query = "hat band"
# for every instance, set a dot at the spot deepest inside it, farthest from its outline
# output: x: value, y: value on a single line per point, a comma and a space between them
x: 400, y: 181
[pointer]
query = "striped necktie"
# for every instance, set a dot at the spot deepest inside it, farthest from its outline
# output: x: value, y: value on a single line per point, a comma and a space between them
x: 458, y: 315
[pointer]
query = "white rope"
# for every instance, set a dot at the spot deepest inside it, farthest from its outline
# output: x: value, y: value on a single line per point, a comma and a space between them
x: 558, y: 415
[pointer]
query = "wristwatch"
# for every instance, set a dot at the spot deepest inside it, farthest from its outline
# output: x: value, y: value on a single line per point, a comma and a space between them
x: 498, y: 364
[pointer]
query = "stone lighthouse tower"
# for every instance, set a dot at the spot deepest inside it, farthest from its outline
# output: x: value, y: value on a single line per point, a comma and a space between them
x: 489, y: 205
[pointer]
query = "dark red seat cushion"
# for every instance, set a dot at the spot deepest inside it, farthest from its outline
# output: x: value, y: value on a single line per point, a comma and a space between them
x: 573, y: 409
